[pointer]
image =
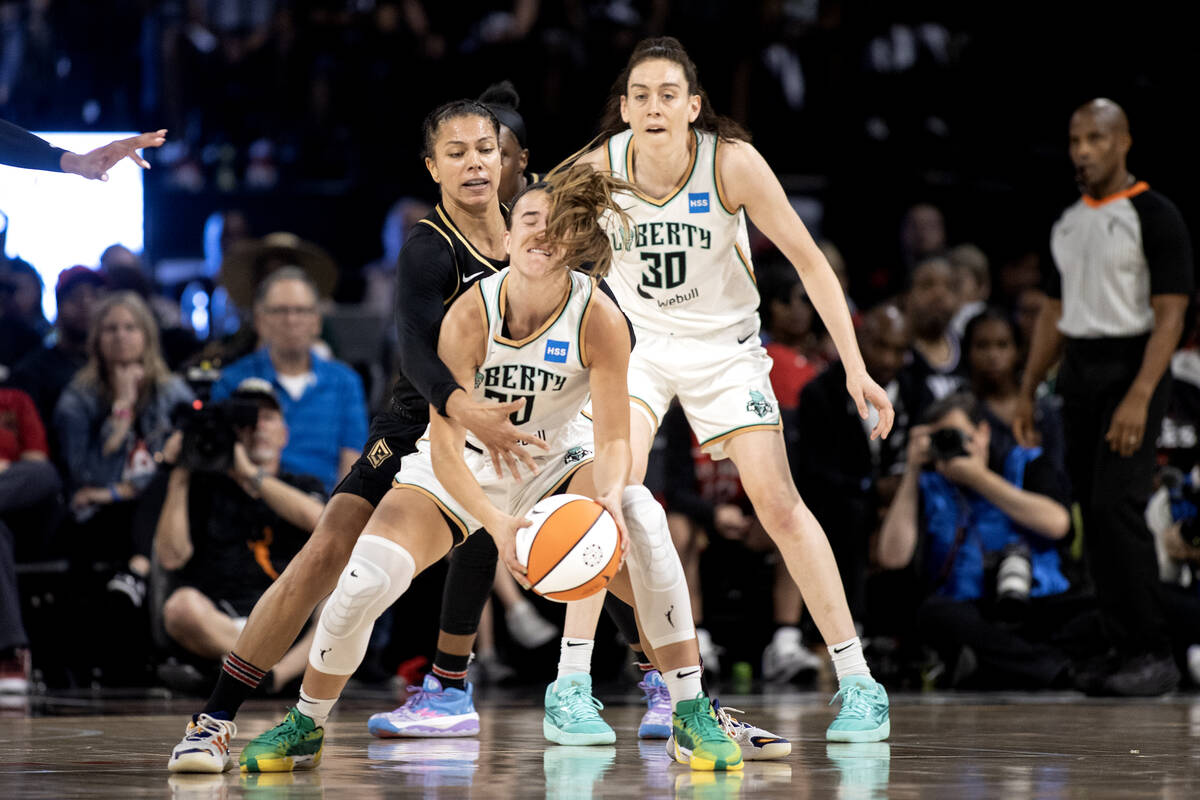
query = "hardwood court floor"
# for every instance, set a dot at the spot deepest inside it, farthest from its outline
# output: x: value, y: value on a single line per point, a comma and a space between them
x: 942, y: 746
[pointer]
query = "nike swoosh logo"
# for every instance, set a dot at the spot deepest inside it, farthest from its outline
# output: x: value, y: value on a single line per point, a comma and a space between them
x: 576, y: 644
x: 842, y: 649
x: 743, y: 341
x: 682, y: 675
x: 353, y: 574
x: 759, y: 741
x: 644, y: 293
x: 472, y: 276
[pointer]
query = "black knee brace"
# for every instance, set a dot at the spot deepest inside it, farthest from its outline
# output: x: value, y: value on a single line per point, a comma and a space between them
x: 468, y: 584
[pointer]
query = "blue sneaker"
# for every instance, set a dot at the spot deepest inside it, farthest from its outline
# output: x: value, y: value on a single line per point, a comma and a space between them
x: 656, y: 722
x: 429, y: 711
x: 573, y: 714
x: 864, y: 716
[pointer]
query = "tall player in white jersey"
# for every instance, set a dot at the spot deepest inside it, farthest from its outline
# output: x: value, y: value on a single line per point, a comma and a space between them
x: 686, y: 282
x: 543, y: 333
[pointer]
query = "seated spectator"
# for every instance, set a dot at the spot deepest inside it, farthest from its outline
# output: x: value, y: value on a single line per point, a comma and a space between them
x: 705, y: 499
x: 27, y: 481
x: 228, y: 535
x: 322, y: 400
x: 935, y: 369
x: 993, y: 370
x: 984, y: 532
x: 846, y: 478
x: 25, y: 302
x: 17, y: 339
x: 124, y: 272
x: 111, y: 420
x: 45, y: 373
x: 974, y: 283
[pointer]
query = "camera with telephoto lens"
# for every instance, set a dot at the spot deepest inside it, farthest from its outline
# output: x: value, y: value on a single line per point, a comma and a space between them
x: 1014, y: 574
x: 210, y: 428
x: 945, y: 444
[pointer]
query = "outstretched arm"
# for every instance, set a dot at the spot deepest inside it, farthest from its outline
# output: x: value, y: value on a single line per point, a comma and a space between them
x: 746, y: 181
x: 20, y: 148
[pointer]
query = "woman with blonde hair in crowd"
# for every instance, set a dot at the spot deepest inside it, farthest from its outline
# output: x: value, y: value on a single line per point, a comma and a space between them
x: 111, y: 421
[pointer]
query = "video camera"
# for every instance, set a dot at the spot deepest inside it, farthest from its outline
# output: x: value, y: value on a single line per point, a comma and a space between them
x: 210, y: 428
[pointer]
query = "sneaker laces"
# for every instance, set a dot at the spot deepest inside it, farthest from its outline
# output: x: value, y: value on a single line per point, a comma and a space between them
x: 856, y: 704
x: 655, y: 693
x: 290, y: 725
x: 579, y: 702
x: 212, y: 726
x: 726, y: 720
x: 703, y: 723
x: 416, y: 697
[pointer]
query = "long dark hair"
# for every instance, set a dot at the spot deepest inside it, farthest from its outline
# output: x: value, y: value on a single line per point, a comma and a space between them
x: 580, y: 199
x: 453, y: 110
x: 669, y: 49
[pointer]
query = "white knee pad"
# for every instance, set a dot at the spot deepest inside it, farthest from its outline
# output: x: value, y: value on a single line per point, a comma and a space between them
x: 659, y: 588
x: 379, y: 571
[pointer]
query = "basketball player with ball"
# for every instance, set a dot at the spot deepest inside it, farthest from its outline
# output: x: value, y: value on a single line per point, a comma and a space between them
x: 539, y: 332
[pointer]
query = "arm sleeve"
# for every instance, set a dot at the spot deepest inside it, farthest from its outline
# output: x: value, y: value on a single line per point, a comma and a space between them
x: 32, y: 433
x: 425, y: 277
x: 1166, y: 243
x: 20, y: 148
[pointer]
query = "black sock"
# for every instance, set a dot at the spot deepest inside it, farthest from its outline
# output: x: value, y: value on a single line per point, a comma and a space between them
x: 642, y: 661
x: 451, y: 670
x: 237, y: 681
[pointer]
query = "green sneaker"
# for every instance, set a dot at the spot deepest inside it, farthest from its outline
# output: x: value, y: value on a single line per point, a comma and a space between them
x: 700, y: 741
x: 294, y: 743
x: 572, y: 714
x: 864, y: 716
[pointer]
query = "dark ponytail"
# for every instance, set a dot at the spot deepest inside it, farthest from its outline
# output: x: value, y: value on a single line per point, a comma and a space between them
x: 453, y: 110
x: 669, y: 49
x: 502, y: 100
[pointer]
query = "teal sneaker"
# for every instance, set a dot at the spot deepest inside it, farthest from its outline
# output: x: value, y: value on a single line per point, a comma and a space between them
x: 294, y: 743
x: 864, y: 716
x: 572, y: 714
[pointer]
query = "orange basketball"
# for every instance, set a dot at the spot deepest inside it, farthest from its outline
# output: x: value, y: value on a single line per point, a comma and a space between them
x: 571, y: 551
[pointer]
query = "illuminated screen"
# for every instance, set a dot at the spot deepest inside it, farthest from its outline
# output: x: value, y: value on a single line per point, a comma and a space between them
x: 57, y: 220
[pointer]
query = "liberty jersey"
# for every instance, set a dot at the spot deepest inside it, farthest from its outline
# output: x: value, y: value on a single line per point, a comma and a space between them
x: 546, y: 368
x: 685, y: 268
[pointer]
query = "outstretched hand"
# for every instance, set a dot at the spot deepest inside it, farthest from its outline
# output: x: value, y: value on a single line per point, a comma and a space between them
x: 96, y: 164
x: 864, y: 390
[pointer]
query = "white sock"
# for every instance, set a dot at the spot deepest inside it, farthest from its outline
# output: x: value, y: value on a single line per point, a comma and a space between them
x: 848, y: 659
x: 683, y: 684
x: 316, y: 710
x: 574, y: 656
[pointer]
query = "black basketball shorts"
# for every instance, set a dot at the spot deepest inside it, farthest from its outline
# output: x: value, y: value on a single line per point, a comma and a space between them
x: 393, y: 435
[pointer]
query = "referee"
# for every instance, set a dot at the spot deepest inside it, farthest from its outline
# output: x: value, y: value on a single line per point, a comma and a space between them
x: 1117, y: 299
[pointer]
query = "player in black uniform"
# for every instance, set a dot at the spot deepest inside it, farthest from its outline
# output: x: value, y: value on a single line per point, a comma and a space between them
x: 454, y: 246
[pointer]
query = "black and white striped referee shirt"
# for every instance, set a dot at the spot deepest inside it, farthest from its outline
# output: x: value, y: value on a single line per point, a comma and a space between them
x: 1111, y: 255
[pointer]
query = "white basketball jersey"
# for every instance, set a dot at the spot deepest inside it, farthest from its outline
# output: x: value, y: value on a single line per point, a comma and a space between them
x: 686, y: 267
x: 546, y: 367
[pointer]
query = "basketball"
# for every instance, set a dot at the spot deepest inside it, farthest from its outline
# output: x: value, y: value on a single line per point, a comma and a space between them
x: 571, y: 551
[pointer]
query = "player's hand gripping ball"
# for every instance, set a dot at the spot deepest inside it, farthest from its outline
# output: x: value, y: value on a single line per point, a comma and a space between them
x: 572, y: 549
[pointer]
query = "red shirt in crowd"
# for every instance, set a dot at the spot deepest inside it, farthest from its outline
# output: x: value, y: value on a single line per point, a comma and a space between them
x: 20, y: 428
x: 790, y: 372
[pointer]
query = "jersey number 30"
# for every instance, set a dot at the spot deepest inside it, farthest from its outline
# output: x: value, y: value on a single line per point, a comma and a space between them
x: 521, y: 415
x: 665, y: 270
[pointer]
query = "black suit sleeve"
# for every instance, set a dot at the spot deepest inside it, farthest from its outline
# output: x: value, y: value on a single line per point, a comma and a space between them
x: 20, y: 148
x: 426, y: 277
x: 1166, y: 243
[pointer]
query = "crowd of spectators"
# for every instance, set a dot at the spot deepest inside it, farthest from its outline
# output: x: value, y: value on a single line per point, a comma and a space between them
x: 174, y: 498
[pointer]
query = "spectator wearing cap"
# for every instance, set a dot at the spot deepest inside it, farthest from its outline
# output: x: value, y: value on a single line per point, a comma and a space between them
x: 228, y: 535
x: 322, y: 399
x: 45, y: 372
